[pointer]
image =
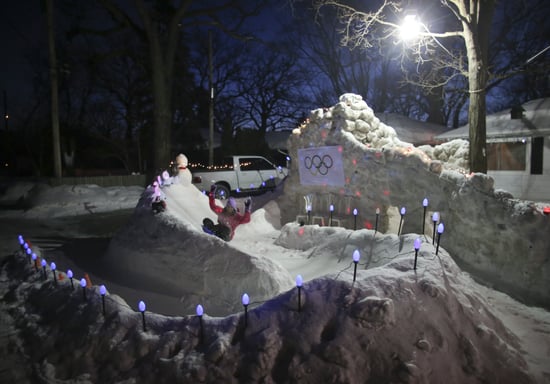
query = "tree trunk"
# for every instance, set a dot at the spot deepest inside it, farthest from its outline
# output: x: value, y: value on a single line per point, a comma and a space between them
x: 162, y: 116
x: 57, y: 171
x: 477, y: 23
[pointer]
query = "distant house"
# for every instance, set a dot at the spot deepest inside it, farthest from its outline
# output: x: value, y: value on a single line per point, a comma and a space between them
x: 413, y: 131
x: 518, y: 149
x: 277, y: 140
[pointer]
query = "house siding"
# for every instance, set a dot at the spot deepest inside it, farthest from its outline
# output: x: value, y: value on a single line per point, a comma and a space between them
x: 523, y: 185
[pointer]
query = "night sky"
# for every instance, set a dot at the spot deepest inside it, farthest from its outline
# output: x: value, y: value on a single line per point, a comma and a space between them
x: 22, y: 32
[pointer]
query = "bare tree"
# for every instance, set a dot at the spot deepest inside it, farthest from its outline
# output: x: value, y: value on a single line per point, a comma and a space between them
x: 160, y: 24
x: 474, y: 20
x: 54, y: 92
x: 465, y: 53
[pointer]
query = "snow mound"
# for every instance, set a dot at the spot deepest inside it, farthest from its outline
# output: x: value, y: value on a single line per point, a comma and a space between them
x: 392, y: 324
x: 170, y: 254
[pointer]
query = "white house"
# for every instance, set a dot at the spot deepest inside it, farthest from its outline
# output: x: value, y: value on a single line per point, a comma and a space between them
x: 518, y: 149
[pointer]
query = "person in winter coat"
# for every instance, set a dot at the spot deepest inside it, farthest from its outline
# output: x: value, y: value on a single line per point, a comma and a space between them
x: 229, y: 217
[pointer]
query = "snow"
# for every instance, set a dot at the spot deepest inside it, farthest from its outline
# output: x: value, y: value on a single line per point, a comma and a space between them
x: 379, y: 320
x: 535, y: 122
x: 391, y: 324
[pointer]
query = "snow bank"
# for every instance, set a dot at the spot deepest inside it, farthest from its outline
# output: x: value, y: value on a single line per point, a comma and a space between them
x: 393, y: 324
x: 382, y: 172
x: 44, y: 201
x: 171, y: 254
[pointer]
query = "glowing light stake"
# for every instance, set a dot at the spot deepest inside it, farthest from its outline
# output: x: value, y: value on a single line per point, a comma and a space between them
x: 102, y: 292
x: 83, y: 285
x: 34, y: 261
x: 376, y: 222
x: 417, y: 244
x: 355, y: 218
x: 200, y: 312
x: 403, y: 211
x: 141, y: 306
x: 21, y: 243
x: 299, y: 283
x: 435, y: 219
x: 425, y: 205
x: 53, y: 267
x: 29, y: 254
x: 43, y: 263
x: 308, y: 209
x: 245, y: 300
x: 356, y: 256
x: 70, y: 275
x: 331, y: 209
x: 440, y: 229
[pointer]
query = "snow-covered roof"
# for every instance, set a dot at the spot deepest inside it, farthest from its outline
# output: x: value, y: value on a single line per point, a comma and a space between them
x: 277, y: 139
x: 535, y: 122
x: 411, y: 130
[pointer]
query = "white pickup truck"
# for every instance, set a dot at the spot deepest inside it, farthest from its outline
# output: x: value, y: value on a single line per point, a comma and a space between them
x: 238, y: 174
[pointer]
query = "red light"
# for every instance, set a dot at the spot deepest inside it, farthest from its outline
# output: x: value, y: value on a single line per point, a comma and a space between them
x: 386, y: 192
x: 301, y: 231
x: 546, y: 210
x: 368, y: 225
x: 354, y: 161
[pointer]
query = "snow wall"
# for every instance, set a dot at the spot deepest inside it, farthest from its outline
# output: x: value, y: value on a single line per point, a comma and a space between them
x: 502, y: 241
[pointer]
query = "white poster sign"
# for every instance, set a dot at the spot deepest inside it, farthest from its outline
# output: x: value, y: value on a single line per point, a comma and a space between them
x: 321, y: 166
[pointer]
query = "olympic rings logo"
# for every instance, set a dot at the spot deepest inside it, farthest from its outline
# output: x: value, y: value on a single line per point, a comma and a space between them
x: 318, y: 165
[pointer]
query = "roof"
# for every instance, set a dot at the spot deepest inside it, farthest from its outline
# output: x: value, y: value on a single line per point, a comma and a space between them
x: 278, y: 139
x: 535, y: 122
x: 411, y: 130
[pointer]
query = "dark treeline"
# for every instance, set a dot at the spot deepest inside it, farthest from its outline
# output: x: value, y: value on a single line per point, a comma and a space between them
x: 134, y: 79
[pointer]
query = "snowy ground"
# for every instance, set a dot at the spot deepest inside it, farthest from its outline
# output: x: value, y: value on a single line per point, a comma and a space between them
x: 432, y: 325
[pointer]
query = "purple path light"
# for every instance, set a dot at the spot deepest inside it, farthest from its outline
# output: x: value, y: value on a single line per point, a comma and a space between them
x: 417, y: 244
x: 402, y: 213
x: 356, y: 256
x: 102, y: 292
x: 70, y: 275
x: 440, y: 229
x: 245, y: 300
x: 83, y: 285
x: 435, y: 219
x: 141, y: 306
x: 200, y: 312
x: 299, y: 283
x: 425, y: 206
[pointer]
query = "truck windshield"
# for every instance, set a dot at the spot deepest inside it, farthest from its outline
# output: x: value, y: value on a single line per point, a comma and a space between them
x: 254, y: 164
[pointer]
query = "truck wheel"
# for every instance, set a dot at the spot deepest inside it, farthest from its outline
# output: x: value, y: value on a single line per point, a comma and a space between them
x: 222, y: 192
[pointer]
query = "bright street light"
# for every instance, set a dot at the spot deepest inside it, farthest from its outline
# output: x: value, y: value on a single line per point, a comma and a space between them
x: 410, y: 27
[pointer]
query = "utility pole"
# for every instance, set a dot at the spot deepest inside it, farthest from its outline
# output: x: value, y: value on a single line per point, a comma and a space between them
x: 211, y: 106
x: 54, y: 92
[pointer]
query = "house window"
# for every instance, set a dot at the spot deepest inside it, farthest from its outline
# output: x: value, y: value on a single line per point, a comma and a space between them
x: 506, y: 156
x: 537, y: 148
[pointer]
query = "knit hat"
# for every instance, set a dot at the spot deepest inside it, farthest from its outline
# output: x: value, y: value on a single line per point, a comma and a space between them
x: 231, y: 202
